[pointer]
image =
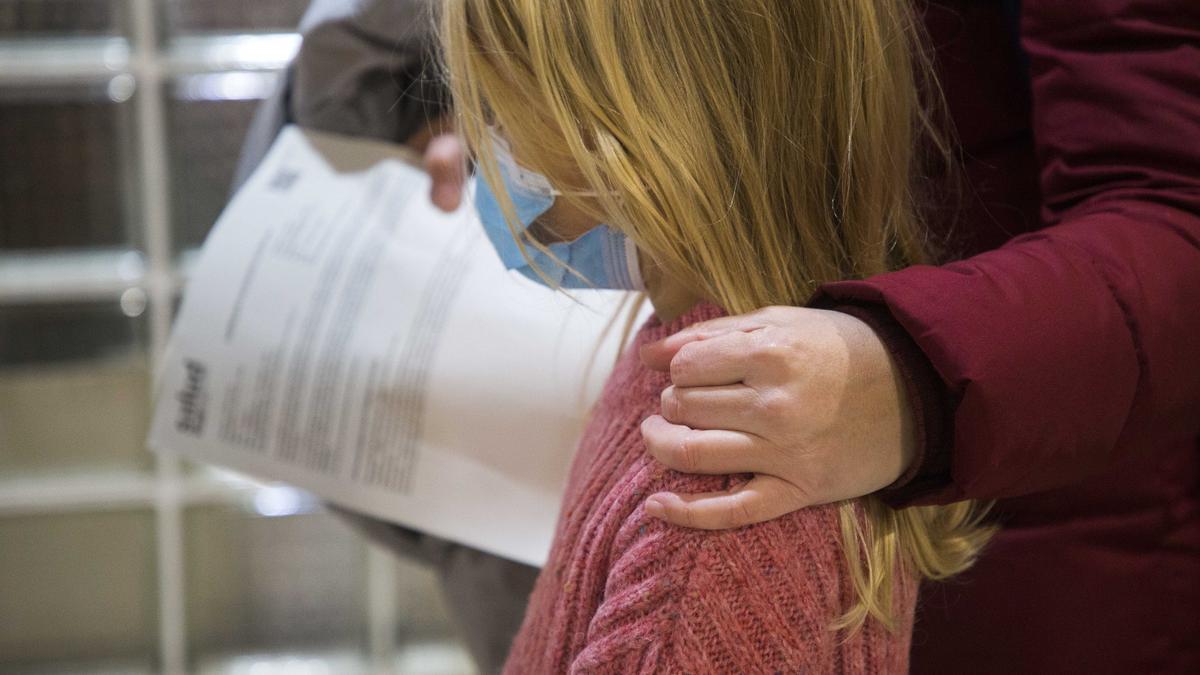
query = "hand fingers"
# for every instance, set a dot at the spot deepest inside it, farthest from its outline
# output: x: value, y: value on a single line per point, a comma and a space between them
x: 713, y: 327
x: 734, y: 407
x: 445, y: 161
x: 699, y: 451
x: 762, y: 498
x: 658, y: 355
x: 712, y: 362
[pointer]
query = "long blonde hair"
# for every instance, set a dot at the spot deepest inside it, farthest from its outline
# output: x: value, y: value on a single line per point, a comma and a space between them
x: 753, y: 149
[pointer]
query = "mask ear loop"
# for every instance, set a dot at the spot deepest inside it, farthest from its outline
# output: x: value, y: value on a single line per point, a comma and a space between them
x: 528, y: 179
x: 530, y: 182
x: 523, y: 178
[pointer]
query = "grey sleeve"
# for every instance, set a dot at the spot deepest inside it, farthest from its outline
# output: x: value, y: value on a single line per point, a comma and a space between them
x: 370, y: 73
x: 365, y: 68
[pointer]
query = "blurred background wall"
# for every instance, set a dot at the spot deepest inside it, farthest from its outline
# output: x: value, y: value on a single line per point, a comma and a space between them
x: 120, y: 124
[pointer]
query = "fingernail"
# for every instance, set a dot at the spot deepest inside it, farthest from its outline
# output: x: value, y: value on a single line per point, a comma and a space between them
x: 642, y: 426
x: 656, y: 508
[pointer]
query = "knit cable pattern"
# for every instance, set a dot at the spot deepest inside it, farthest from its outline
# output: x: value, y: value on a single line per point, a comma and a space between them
x: 625, y: 593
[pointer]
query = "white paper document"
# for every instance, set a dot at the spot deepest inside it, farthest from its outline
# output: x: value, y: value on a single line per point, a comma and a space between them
x: 341, y: 334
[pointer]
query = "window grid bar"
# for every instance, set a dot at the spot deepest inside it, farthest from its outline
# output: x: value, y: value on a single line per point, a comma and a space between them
x: 153, y: 62
x: 381, y: 610
x: 155, y: 213
x: 95, y: 59
x: 104, y: 491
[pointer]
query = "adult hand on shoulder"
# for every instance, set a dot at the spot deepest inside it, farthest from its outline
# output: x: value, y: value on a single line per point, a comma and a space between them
x: 808, y: 400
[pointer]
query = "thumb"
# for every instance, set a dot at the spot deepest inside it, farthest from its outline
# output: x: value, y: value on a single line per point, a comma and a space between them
x: 445, y: 161
x: 763, y: 498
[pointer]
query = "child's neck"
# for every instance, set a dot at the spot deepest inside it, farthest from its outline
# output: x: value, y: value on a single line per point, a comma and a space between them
x: 671, y: 299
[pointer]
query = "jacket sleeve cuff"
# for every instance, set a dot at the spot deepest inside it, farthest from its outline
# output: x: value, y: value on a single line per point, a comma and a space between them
x: 929, y: 399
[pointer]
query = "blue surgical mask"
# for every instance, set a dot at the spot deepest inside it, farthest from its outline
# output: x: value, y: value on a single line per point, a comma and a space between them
x: 600, y: 258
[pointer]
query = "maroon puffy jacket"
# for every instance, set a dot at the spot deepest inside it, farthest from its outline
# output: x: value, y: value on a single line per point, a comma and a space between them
x: 1067, y: 349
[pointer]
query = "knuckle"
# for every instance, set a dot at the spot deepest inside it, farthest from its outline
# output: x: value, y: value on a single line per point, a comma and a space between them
x: 774, y: 312
x: 782, y: 314
x: 686, y: 517
x: 669, y: 403
x: 734, y: 514
x: 770, y: 353
x: 772, y: 403
x: 743, y: 511
x: 687, y: 458
x: 685, y: 360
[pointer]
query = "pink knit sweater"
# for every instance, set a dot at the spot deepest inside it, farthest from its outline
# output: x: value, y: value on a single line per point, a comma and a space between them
x: 625, y: 593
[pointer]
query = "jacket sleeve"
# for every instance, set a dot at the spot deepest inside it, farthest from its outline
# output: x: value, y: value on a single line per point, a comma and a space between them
x: 1077, y: 344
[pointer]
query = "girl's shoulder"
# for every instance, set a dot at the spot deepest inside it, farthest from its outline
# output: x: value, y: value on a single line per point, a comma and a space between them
x: 780, y: 585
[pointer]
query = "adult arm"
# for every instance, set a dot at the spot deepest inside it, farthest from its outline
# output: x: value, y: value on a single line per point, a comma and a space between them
x: 1064, y: 349
x: 1072, y: 346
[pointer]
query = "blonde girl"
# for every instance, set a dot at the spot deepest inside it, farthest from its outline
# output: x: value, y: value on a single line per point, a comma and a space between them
x: 724, y: 155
